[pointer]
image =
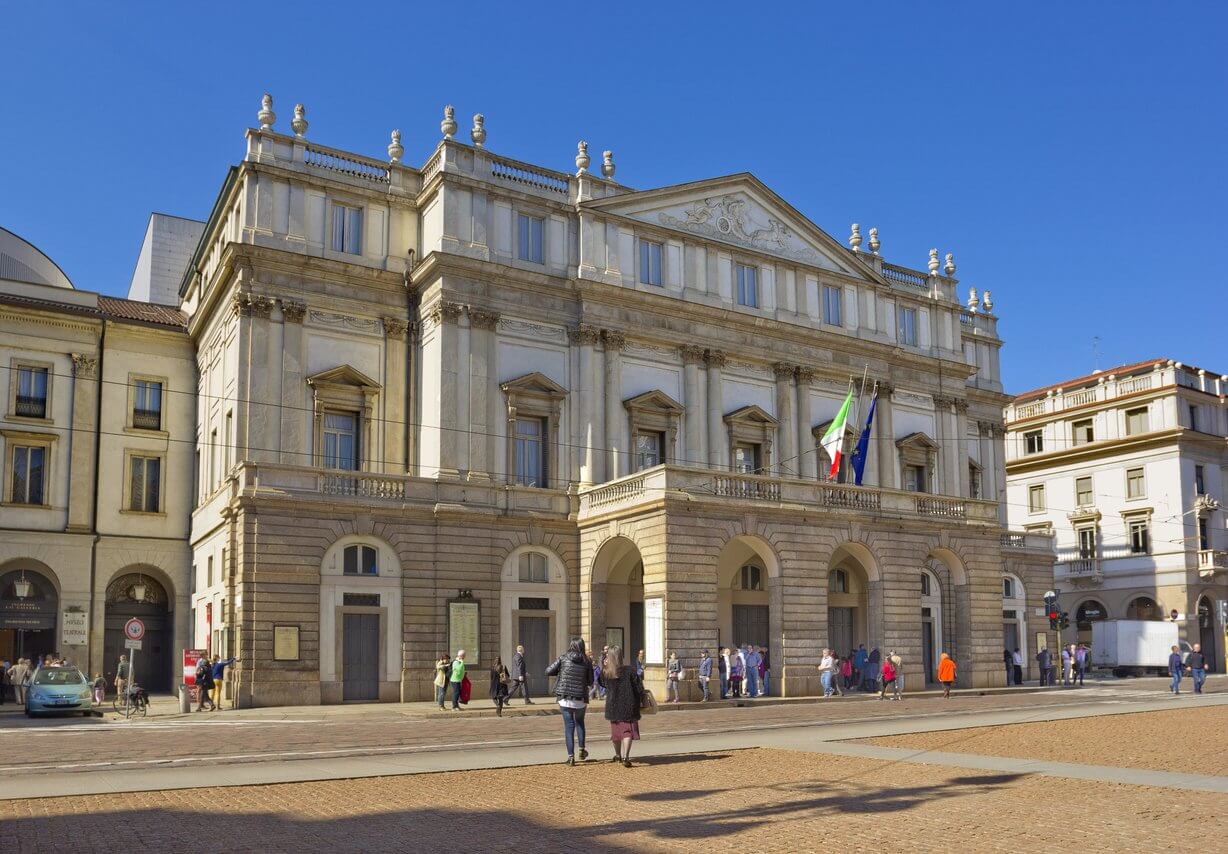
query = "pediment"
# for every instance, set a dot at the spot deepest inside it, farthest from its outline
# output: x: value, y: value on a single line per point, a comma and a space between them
x: 917, y: 440
x: 342, y: 375
x: 656, y: 400
x: 752, y: 415
x: 739, y: 210
x: 535, y: 383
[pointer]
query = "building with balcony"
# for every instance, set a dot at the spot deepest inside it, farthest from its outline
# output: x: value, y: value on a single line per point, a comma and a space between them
x: 96, y: 444
x: 1126, y: 468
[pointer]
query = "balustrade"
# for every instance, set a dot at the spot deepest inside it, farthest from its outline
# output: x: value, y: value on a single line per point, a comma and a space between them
x: 521, y: 173
x: 347, y: 164
x: 752, y: 488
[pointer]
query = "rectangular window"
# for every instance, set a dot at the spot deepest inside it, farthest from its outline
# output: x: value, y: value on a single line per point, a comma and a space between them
x: 650, y: 262
x: 209, y: 572
x: 1140, y: 537
x: 145, y: 484
x: 831, y: 305
x: 1008, y: 588
x: 1136, y: 485
x: 1036, y: 498
x: 1204, y: 534
x: 649, y: 450
x: 213, y: 461
x: 533, y: 568
x: 752, y: 577
x: 1087, y: 543
x: 1034, y: 442
x: 908, y: 326
x: 147, y: 405
x: 532, y: 231
x: 533, y: 603
x: 974, y: 482
x: 916, y: 479
x: 1193, y: 417
x: 746, y: 458
x: 1084, y: 496
x: 347, y: 229
x: 1136, y: 421
x: 341, y: 441
x: 29, y: 474
x: 529, y: 451
x: 1082, y: 432
x: 1200, y: 483
x: 31, y: 392
x: 748, y: 285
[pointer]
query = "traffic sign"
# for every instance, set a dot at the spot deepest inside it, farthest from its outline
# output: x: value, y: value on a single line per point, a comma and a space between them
x: 132, y: 644
x: 134, y: 629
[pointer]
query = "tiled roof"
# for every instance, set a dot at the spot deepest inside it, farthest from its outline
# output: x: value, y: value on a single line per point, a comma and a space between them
x: 1069, y: 384
x: 145, y: 312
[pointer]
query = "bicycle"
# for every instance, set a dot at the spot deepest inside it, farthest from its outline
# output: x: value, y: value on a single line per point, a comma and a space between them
x: 137, y: 703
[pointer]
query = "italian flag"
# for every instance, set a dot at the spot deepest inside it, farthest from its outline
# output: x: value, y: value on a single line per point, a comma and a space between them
x: 833, y: 439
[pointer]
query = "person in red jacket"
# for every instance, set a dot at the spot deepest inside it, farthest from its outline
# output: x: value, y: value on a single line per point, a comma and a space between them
x: 946, y: 674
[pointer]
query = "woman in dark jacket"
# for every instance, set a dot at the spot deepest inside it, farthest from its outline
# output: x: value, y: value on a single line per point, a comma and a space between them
x: 573, y: 671
x: 622, y: 704
x: 498, y: 685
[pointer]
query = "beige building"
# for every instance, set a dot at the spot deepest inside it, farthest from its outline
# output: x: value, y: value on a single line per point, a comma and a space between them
x: 482, y: 402
x: 1127, y: 469
x: 96, y: 438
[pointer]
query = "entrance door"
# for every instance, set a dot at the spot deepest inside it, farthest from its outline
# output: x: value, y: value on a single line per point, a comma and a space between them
x: 360, y: 657
x: 750, y: 625
x: 137, y: 595
x: 840, y: 629
x: 535, y: 637
x: 1206, y: 633
x: 928, y: 658
x: 635, y: 637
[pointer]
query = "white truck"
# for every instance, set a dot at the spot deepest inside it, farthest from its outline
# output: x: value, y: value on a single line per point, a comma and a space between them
x: 1134, y: 647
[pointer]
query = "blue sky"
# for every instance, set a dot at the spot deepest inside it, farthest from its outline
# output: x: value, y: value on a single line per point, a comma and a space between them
x: 1071, y: 155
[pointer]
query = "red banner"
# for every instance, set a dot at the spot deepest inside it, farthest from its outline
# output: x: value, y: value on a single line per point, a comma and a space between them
x: 191, y: 658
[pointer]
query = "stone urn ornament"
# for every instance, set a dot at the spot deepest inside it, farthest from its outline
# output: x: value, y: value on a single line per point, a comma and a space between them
x: 299, y: 123
x: 478, y: 134
x: 582, y: 158
x: 934, y: 264
x: 395, y: 150
x: 987, y: 303
x: 874, y: 244
x: 266, y: 116
x: 949, y: 266
x: 448, y: 126
x: 972, y: 299
x: 855, y: 238
x: 607, y: 165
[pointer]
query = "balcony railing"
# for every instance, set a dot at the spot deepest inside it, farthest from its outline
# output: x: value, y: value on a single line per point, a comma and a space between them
x: 1211, y: 561
x: 904, y: 276
x: 363, y: 485
x: 850, y: 497
x: 1087, y: 567
x: 350, y: 165
x: 147, y: 419
x: 621, y: 491
x: 30, y: 406
x: 952, y: 508
x: 516, y: 172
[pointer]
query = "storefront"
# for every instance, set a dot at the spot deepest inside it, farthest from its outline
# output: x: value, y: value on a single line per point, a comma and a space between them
x: 29, y: 606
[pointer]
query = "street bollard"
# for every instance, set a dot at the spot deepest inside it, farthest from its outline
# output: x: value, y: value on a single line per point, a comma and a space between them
x: 185, y: 699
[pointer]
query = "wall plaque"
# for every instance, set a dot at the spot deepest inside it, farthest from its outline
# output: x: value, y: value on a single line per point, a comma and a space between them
x: 654, y: 630
x: 285, y: 643
x: 464, y: 629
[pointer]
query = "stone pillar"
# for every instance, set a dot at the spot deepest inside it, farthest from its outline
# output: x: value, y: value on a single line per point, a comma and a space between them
x: 615, y: 419
x: 393, y: 403
x: 945, y: 480
x: 84, y: 424
x: 446, y: 315
x: 888, y: 465
x: 262, y: 413
x: 718, y: 438
x: 695, y: 428
x: 294, y: 448
x: 483, y: 464
x: 786, y: 393
x: 585, y: 337
x: 961, y: 447
x: 808, y: 457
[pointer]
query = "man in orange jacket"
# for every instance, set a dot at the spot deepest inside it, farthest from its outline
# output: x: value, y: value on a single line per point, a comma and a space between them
x: 946, y: 674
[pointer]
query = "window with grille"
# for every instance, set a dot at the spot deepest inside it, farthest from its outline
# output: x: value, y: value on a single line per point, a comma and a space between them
x: 145, y: 484
x: 360, y: 560
x: 360, y: 600
x: 31, y: 392
x: 147, y: 405
x: 533, y: 603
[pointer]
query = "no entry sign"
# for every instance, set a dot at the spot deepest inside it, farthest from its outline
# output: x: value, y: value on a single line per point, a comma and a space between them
x: 134, y: 629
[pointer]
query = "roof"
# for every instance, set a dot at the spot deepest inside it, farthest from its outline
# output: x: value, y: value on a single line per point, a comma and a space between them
x: 144, y: 312
x: 22, y: 261
x: 1092, y: 377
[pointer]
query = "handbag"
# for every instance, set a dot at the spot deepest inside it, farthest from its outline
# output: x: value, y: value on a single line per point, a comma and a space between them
x: 466, y: 690
x: 648, y: 703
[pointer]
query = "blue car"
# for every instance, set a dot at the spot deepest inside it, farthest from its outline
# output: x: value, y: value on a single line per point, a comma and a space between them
x: 59, y: 689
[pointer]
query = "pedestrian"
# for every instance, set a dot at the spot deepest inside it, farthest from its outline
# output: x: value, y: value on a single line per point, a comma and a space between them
x: 622, y: 705
x: 1175, y: 668
x: 100, y: 689
x: 826, y: 668
x: 5, y: 667
x: 1017, y: 663
x: 19, y: 677
x: 443, y: 665
x: 835, y: 674
x: 1008, y: 661
x: 1044, y: 659
x: 765, y: 670
x: 872, y: 669
x: 573, y: 672
x: 1067, y: 666
x: 722, y: 666
x: 946, y: 674
x: 1197, y: 662
x: 897, y: 664
x: 860, y: 659
x: 520, y: 677
x: 751, y: 656
x: 121, y: 676
x: 219, y: 678
x: 1080, y: 662
x: 846, y: 672
x: 705, y: 675
x: 640, y: 663
x: 737, y: 668
x: 499, y: 679
x: 888, y: 679
x: 204, y: 683
x: 457, y: 677
x: 673, y: 674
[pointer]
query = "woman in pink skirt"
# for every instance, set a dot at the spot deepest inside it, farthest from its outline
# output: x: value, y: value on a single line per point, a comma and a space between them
x: 622, y: 704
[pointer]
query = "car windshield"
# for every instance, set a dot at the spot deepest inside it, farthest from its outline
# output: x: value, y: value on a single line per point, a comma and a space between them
x: 59, y: 676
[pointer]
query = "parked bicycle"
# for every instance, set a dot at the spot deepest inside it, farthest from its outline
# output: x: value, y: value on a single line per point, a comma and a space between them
x: 137, y: 702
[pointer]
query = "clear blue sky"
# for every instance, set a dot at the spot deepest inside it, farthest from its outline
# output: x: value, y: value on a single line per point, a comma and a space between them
x: 1072, y: 155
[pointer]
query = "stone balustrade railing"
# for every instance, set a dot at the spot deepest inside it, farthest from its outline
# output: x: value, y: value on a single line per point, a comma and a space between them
x: 904, y: 276
x: 351, y: 165
x: 619, y: 491
x: 523, y: 174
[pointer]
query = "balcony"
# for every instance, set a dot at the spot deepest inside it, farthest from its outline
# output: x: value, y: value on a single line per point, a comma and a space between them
x: 147, y: 419
x: 679, y: 483
x: 1082, y: 569
x: 31, y: 406
x: 1211, y: 561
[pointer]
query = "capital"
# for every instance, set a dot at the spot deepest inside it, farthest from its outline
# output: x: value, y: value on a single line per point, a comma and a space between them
x: 804, y: 375
x: 261, y: 306
x: 692, y: 354
x: 584, y: 334
x: 886, y: 388
x: 715, y: 358
x: 394, y: 327
x: 445, y: 312
x: 480, y: 319
x: 84, y: 366
x: 293, y: 312
x: 783, y: 370
x: 614, y: 339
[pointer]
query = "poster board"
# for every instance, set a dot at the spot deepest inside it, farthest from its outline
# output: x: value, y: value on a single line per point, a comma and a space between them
x: 191, y: 658
x: 654, y: 630
x: 285, y: 643
x: 464, y: 629
x: 614, y: 637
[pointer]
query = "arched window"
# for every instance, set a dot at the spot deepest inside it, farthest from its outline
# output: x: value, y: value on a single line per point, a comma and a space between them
x: 360, y: 560
x: 1143, y: 608
x: 533, y: 568
x: 750, y: 578
x: 838, y: 581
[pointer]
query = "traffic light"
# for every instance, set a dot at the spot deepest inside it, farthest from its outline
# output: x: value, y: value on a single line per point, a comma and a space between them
x: 1065, y: 620
x: 1051, y: 609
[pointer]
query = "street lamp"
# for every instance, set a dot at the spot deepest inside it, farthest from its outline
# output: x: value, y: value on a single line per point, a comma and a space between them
x: 138, y: 589
x: 22, y: 587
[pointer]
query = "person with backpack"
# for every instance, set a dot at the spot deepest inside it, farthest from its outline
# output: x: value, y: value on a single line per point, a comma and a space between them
x: 204, y: 684
x: 622, y: 706
x: 946, y: 674
x: 888, y: 681
x: 499, y: 678
x: 705, y: 675
x: 457, y: 678
x: 572, y: 671
x: 219, y: 678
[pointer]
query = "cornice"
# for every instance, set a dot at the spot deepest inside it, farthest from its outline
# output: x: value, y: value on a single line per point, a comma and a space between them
x: 1093, y: 451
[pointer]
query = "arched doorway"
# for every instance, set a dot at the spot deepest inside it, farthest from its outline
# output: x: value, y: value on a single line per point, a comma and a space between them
x: 1014, y: 618
x: 1143, y: 608
x: 29, y: 608
x: 1087, y: 613
x: 848, y: 599
x: 747, y: 601
x: 618, y: 596
x: 533, y: 611
x: 931, y: 624
x: 1206, y: 630
x: 137, y: 594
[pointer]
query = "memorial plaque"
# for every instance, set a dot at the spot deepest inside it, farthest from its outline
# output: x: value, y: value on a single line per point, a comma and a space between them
x: 285, y: 643
x: 464, y: 629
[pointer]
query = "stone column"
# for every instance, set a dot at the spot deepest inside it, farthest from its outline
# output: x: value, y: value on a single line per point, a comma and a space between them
x: 262, y: 412
x: 294, y: 448
x: 483, y: 465
x: 961, y: 447
x: 84, y: 424
x: 446, y: 315
x: 393, y: 403
x: 695, y: 432
x: 808, y: 457
x: 585, y: 337
x: 615, y: 418
x: 942, y: 427
x: 888, y: 465
x: 718, y: 439
x: 786, y: 393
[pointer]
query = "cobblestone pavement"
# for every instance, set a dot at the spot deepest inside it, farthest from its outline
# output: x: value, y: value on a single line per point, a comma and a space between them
x: 1182, y: 740
x: 752, y: 800
x: 255, y: 735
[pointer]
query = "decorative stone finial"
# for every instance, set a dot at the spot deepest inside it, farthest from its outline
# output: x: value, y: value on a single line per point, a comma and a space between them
x: 395, y: 150
x: 855, y: 238
x: 266, y: 116
x: 582, y: 158
x: 987, y: 302
x: 973, y: 302
x: 299, y: 122
x: 478, y: 134
x: 934, y: 265
x: 607, y: 164
x: 949, y: 266
x: 874, y: 244
x: 448, y: 126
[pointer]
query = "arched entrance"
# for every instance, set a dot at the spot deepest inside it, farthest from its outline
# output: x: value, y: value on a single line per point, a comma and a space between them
x: 1206, y: 630
x: 29, y: 610
x: 848, y: 599
x: 1087, y: 613
x: 1014, y: 618
x: 1143, y: 608
x: 618, y: 596
x: 747, y: 606
x: 134, y: 593
x: 931, y: 624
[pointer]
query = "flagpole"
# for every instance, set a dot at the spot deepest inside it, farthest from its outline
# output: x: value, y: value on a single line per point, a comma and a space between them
x: 829, y: 478
x: 857, y: 411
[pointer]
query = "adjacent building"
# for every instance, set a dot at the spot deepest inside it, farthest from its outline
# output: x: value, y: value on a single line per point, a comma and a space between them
x: 1127, y: 469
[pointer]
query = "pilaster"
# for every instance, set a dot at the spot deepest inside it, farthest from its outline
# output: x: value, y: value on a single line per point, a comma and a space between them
x: 695, y: 452
x: 394, y: 395
x: 294, y: 448
x: 808, y: 458
x: 615, y: 418
x: 718, y: 436
x: 446, y: 316
x: 786, y: 394
x: 888, y: 464
x: 482, y: 461
x: 585, y: 338
x: 84, y: 425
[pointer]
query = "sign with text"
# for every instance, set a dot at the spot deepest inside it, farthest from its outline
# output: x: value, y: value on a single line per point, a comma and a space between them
x: 74, y: 628
x: 191, y: 658
x: 285, y: 643
x: 464, y: 628
x: 129, y: 643
x: 654, y: 632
